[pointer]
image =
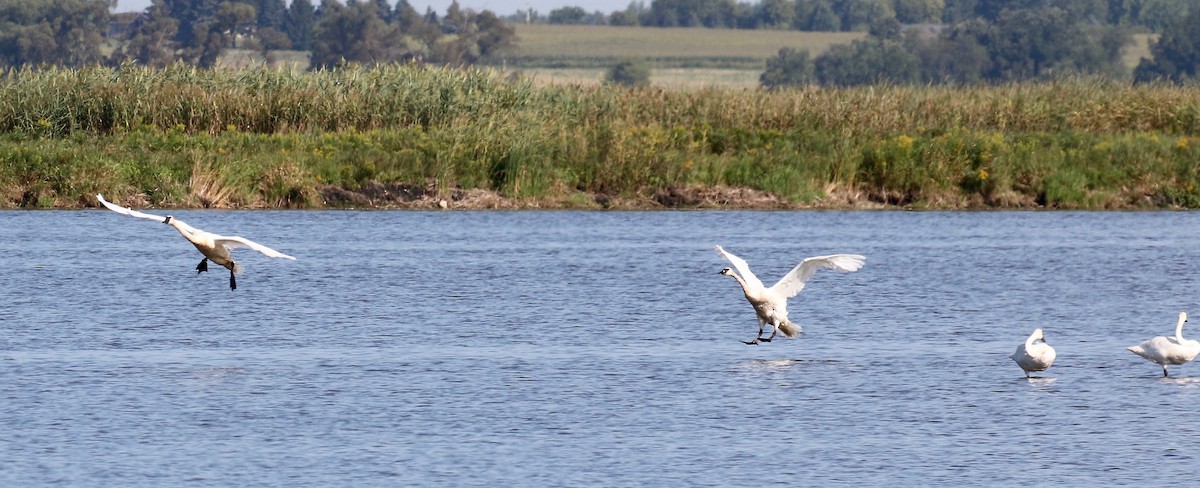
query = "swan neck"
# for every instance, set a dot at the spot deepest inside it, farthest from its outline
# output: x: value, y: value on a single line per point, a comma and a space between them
x: 1179, y: 328
x: 741, y: 282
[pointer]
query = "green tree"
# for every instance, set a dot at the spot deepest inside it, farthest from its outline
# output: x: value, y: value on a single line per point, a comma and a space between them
x: 1175, y: 56
x: 956, y: 56
x: 867, y: 61
x: 58, y: 32
x: 858, y: 15
x: 919, y: 11
x: 299, y: 22
x: 384, y: 10
x: 629, y: 72
x: 354, y: 33
x: 152, y: 41
x: 791, y: 67
x: 232, y: 19
x: 271, y: 13
x: 195, y: 18
x: 567, y: 15
x: 775, y: 14
x: 479, y: 37
x: 817, y: 16
x: 405, y: 16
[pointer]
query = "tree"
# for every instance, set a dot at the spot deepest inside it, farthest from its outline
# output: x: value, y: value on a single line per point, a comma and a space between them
x: 271, y: 13
x: 919, y: 11
x: 152, y: 41
x: 567, y: 15
x: 354, y: 33
x: 629, y: 72
x: 479, y: 37
x: 1175, y: 56
x: 816, y: 16
x: 195, y: 18
x: 955, y: 56
x: 790, y: 67
x: 405, y: 16
x: 58, y: 32
x: 233, y: 19
x: 384, y: 10
x: 857, y: 15
x: 775, y: 14
x: 867, y: 61
x: 299, y: 22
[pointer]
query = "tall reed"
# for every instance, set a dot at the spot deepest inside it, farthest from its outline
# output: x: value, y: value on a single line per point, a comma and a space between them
x: 266, y: 137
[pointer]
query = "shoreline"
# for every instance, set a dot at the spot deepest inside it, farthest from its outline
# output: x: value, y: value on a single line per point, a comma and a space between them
x: 397, y: 196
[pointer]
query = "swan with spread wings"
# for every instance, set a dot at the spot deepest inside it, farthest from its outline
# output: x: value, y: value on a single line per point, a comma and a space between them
x: 215, y: 248
x: 770, y: 304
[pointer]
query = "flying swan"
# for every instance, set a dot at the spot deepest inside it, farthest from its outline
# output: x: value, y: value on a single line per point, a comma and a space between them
x: 770, y: 304
x: 214, y: 247
x: 1035, y: 354
x: 1169, y: 350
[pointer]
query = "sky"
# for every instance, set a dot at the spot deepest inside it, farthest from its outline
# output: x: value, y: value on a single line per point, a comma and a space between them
x: 499, y: 7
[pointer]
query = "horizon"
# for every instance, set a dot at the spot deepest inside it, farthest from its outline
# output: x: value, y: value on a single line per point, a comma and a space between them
x: 499, y: 7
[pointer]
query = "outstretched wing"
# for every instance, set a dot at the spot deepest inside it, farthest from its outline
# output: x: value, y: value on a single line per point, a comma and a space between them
x: 233, y: 242
x: 793, y: 282
x: 132, y: 213
x: 742, y: 268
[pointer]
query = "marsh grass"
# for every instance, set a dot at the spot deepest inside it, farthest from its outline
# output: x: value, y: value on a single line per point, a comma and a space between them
x: 277, y: 138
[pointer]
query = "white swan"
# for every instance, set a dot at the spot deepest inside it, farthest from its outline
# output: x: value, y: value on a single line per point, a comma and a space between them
x: 214, y: 247
x: 1035, y: 354
x: 770, y: 304
x: 1169, y: 350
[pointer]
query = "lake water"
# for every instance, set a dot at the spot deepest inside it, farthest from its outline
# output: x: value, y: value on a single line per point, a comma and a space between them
x: 592, y: 349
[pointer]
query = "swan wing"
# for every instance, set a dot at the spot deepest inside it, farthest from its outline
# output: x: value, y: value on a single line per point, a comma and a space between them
x: 793, y: 282
x: 741, y: 266
x: 130, y: 212
x: 234, y: 242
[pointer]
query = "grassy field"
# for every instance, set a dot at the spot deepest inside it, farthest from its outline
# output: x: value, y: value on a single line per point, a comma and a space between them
x: 281, y: 138
x: 681, y: 58
x: 575, y: 46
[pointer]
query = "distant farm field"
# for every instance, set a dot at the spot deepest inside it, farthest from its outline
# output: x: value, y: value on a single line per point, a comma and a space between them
x: 587, y: 46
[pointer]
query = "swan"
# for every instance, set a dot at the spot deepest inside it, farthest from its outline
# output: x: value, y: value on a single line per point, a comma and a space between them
x: 1168, y: 350
x: 770, y: 304
x: 1035, y: 354
x: 214, y: 247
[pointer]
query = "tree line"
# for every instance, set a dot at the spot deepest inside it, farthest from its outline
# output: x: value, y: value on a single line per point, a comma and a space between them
x: 987, y: 41
x: 73, y: 33
x: 1020, y: 44
x: 859, y: 15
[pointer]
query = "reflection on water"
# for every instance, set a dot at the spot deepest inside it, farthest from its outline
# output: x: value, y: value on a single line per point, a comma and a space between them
x: 592, y: 349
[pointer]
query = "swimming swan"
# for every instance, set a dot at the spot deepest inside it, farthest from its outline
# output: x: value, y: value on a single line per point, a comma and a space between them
x: 212, y: 246
x: 1169, y: 350
x: 1035, y: 354
x: 770, y: 304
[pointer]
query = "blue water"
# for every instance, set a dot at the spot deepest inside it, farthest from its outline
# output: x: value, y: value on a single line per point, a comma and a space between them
x: 592, y: 349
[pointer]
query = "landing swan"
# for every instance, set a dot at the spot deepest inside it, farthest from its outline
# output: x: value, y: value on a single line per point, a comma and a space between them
x: 1169, y: 350
x: 214, y: 247
x: 1035, y: 354
x: 770, y: 304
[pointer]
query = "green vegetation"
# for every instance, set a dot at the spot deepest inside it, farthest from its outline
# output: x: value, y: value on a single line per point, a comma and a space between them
x: 278, y: 138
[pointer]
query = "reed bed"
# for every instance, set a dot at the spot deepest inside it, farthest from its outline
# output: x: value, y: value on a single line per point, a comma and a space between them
x: 277, y: 138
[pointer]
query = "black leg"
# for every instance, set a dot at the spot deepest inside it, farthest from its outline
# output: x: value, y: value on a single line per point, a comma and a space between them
x: 232, y: 281
x: 1164, y: 371
x: 758, y: 337
x: 203, y: 266
x: 774, y: 330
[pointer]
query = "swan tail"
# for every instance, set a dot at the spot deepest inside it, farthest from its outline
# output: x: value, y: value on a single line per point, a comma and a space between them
x: 237, y: 268
x: 789, y: 329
